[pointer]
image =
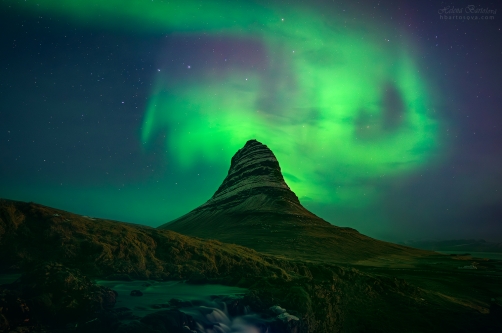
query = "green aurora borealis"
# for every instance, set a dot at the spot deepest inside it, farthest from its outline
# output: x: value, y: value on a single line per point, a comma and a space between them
x: 315, y: 129
x: 344, y: 104
x: 336, y: 77
x: 202, y: 117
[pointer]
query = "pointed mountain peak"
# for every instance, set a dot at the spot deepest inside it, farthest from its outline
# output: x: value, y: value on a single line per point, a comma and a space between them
x: 254, y: 207
x: 254, y: 169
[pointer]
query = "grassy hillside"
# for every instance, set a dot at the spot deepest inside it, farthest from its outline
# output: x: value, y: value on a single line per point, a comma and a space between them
x: 31, y: 233
x: 328, y: 297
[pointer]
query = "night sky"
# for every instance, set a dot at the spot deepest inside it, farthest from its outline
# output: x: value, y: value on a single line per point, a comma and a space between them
x: 384, y: 116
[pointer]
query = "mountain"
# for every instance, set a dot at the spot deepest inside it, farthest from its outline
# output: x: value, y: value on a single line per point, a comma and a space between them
x: 254, y: 207
x: 460, y: 245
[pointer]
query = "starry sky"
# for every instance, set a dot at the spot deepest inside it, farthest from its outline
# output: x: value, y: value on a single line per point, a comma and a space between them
x: 384, y: 116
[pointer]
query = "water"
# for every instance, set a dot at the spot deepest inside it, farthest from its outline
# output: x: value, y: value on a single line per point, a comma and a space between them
x: 157, y: 293
x: 199, y: 301
x: 488, y: 255
x: 211, y: 313
x: 8, y: 278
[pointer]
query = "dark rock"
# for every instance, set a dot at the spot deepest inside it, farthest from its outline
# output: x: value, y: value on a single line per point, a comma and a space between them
x: 180, y: 303
x: 235, y: 306
x: 119, y: 277
x: 124, y: 313
x: 169, y: 321
x: 187, y: 329
x: 122, y: 309
x: 286, y: 317
x: 93, y: 325
x: 59, y: 294
x: 287, y: 323
x: 175, y: 301
x: 136, y: 293
x: 108, y: 298
x: 136, y: 327
x: 13, y: 310
x: 496, y: 311
x: 276, y: 309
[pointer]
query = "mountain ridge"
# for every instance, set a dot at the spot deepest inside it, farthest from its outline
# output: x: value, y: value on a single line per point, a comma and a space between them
x: 464, y: 245
x: 254, y: 207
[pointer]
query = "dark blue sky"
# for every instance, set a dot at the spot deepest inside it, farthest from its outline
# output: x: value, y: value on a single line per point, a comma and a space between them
x: 74, y: 94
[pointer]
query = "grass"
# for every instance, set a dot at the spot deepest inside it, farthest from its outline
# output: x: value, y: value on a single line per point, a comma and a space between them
x: 399, y: 290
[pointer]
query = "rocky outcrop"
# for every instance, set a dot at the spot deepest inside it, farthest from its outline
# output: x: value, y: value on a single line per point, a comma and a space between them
x: 14, y: 310
x: 255, y: 177
x: 254, y: 185
x: 55, y: 292
x: 254, y: 207
x: 52, y: 295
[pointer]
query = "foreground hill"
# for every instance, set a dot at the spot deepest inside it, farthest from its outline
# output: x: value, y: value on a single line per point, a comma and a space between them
x: 326, y: 297
x: 32, y: 233
x: 254, y: 207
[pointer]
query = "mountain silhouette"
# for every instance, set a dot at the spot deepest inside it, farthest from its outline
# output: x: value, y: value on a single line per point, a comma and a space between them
x: 254, y: 207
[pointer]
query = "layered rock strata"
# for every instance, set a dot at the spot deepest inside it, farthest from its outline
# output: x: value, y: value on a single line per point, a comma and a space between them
x: 254, y: 207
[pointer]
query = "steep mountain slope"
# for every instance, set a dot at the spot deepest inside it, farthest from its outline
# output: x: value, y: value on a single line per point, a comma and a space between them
x: 254, y: 207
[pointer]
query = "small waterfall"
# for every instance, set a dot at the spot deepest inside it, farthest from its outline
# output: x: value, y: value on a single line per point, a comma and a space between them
x: 215, y: 318
x: 209, y: 313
